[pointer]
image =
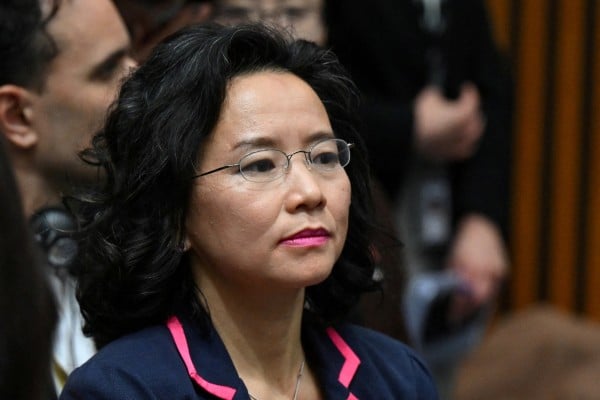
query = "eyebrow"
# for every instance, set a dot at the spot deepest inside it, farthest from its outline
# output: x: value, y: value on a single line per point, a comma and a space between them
x: 110, y: 62
x: 267, y: 142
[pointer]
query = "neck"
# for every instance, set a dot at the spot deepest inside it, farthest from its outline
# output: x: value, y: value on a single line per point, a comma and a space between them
x: 296, y: 385
x: 262, y: 335
x: 36, y: 192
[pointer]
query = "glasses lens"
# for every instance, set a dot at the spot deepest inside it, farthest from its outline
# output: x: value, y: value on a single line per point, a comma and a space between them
x: 263, y: 165
x: 330, y: 154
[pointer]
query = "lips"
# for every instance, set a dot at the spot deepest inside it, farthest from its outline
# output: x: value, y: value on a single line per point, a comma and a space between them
x: 307, y: 237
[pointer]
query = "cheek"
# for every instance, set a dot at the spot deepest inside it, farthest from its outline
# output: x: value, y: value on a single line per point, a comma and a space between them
x: 95, y: 106
x: 339, y: 200
x: 86, y: 103
x: 230, y: 217
x: 75, y: 119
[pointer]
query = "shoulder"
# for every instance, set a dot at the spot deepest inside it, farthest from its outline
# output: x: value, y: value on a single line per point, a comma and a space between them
x: 137, y: 348
x: 142, y: 365
x: 395, y: 366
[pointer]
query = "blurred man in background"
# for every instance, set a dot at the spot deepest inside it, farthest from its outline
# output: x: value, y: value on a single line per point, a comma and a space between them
x: 62, y: 63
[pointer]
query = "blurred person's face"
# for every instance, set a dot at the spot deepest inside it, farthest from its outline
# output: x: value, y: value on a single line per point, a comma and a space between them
x: 305, y: 17
x: 81, y: 82
x: 149, y: 22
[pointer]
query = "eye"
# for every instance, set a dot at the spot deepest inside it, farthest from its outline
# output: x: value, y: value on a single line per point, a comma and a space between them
x: 263, y: 164
x: 326, y: 159
x: 295, y: 13
x: 110, y: 69
x: 326, y: 154
x: 257, y: 166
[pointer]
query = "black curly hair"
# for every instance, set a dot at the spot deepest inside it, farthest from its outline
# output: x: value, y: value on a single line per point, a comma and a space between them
x: 26, y: 48
x: 134, y: 272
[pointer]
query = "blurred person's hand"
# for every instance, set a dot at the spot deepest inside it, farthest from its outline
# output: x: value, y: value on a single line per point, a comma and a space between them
x: 478, y: 256
x: 448, y: 130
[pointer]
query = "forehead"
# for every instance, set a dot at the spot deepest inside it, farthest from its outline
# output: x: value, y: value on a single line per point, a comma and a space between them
x: 270, y: 107
x: 87, y: 30
x: 270, y: 92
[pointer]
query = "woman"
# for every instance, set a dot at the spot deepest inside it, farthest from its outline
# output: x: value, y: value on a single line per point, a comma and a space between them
x: 27, y: 307
x: 228, y: 245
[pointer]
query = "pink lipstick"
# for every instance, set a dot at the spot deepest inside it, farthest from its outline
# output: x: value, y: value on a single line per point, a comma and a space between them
x: 307, y: 238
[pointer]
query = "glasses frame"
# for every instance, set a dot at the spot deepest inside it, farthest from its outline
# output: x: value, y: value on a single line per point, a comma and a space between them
x: 287, y: 156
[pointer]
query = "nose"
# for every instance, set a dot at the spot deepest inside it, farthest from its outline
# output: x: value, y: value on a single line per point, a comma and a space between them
x: 306, y: 155
x: 304, y: 188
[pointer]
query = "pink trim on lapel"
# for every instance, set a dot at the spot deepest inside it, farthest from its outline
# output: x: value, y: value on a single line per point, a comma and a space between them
x: 176, y: 329
x: 352, y: 361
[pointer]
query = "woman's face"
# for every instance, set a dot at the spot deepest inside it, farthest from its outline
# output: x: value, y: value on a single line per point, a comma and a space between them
x: 287, y: 233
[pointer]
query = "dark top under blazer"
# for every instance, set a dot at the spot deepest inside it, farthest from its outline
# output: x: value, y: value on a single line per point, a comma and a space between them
x: 351, y: 362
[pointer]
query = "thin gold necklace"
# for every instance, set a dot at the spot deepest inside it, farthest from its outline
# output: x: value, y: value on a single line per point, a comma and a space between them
x: 296, y: 388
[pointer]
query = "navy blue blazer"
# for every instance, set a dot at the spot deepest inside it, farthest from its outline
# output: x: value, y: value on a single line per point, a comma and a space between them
x: 351, y: 362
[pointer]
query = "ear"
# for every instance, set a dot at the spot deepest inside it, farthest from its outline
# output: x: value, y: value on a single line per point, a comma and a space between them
x: 16, y: 115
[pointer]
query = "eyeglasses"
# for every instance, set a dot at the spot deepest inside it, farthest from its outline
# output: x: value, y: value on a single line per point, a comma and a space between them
x: 269, y: 164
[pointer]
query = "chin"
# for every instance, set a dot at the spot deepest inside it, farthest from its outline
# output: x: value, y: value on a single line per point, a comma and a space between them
x: 317, y: 276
